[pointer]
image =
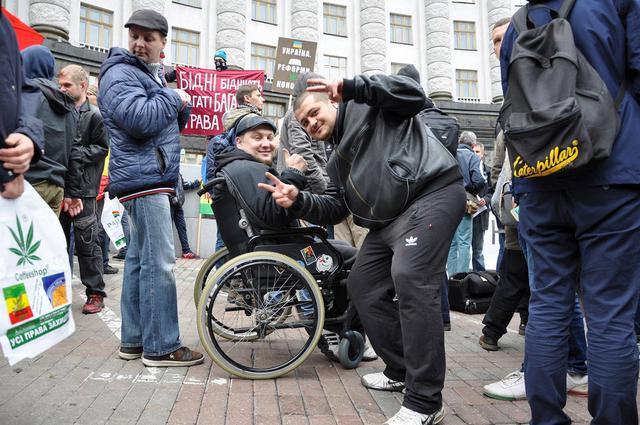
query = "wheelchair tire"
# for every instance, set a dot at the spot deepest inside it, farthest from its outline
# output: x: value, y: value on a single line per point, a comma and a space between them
x: 351, y: 349
x: 251, y: 330
x: 206, y: 269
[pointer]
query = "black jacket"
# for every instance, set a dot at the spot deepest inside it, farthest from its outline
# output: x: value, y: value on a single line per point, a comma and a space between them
x: 377, y: 114
x: 12, y: 116
x: 56, y: 110
x: 90, y: 150
x: 242, y: 174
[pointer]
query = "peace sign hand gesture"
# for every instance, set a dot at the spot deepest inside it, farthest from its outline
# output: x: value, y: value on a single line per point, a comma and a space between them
x: 284, y: 194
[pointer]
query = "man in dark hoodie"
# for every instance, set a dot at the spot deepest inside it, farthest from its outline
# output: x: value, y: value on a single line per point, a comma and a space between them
x: 91, y: 148
x: 409, y: 194
x: 144, y: 118
x: 56, y: 177
x: 21, y: 137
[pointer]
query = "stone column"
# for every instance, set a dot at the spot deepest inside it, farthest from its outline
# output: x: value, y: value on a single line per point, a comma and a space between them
x: 231, y: 30
x: 304, y: 19
x: 496, y: 10
x: 157, y: 5
x: 50, y: 18
x: 373, y: 42
x: 439, y: 71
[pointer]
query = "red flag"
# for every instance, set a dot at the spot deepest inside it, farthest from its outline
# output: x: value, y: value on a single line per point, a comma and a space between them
x: 25, y: 35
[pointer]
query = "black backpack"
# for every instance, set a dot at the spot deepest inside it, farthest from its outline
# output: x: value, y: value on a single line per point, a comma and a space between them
x: 558, y: 114
x: 444, y: 127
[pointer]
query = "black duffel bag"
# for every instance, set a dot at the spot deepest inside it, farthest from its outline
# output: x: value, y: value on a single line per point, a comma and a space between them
x: 471, y: 292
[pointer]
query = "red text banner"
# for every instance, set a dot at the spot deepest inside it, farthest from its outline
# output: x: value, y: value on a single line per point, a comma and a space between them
x: 212, y: 94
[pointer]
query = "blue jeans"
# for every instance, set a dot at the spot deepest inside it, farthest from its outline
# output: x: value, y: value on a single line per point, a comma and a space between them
x: 586, y: 239
x: 149, y: 302
x: 460, y: 251
x: 477, y: 244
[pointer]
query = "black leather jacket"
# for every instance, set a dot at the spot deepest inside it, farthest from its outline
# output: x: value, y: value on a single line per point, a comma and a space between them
x: 384, y: 158
x: 91, y: 146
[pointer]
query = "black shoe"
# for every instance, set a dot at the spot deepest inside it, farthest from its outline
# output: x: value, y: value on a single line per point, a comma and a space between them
x: 488, y: 343
x: 120, y: 255
x: 522, y: 328
x: 110, y: 270
x: 447, y: 326
x: 130, y: 353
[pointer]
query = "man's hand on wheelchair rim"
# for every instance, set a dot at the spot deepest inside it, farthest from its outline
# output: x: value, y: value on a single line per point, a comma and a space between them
x: 284, y: 194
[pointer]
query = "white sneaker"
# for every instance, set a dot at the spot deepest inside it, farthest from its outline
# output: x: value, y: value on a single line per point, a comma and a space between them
x: 369, y: 353
x: 409, y: 417
x: 578, y: 384
x: 378, y: 381
x: 511, y: 388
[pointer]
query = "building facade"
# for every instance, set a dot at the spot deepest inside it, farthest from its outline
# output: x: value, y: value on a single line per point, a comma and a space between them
x: 447, y: 40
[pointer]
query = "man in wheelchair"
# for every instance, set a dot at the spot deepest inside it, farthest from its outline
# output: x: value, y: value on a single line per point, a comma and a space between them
x: 243, y: 210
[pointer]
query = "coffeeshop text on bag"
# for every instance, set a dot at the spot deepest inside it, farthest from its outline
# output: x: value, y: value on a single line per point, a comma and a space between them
x: 35, y: 278
x: 558, y: 114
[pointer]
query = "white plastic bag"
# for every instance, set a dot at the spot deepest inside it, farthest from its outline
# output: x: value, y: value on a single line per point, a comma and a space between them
x: 35, y: 278
x: 111, y: 216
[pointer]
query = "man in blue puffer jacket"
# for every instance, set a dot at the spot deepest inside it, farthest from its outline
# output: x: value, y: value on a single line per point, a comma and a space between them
x: 144, y: 119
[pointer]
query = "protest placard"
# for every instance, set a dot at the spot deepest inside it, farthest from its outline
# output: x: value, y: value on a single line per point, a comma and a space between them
x: 293, y: 57
x: 212, y: 94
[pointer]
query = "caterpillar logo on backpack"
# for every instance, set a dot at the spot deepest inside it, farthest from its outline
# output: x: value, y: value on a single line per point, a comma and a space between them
x: 558, y: 114
x: 554, y: 162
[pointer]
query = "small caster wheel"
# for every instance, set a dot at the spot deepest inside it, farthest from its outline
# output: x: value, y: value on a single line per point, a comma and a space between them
x: 350, y: 349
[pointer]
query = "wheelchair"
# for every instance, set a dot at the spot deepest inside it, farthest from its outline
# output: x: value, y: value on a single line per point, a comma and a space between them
x: 262, y: 313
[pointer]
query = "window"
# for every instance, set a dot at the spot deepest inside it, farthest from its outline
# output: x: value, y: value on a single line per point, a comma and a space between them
x: 264, y: 11
x: 185, y: 47
x: 400, y: 29
x: 395, y: 67
x: 464, y: 34
x: 96, y: 27
x: 263, y: 57
x: 273, y: 111
x: 192, y: 3
x: 467, y: 84
x: 335, y: 67
x: 335, y: 19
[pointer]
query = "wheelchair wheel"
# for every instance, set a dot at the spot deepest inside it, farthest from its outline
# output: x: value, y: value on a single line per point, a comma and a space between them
x: 205, y: 270
x: 351, y: 349
x: 260, y: 315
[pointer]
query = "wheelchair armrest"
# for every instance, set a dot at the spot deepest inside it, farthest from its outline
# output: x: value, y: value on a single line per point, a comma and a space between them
x: 209, y: 185
x: 295, y: 231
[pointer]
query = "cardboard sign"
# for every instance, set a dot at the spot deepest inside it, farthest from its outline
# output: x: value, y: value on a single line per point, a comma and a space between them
x: 293, y: 57
x: 212, y: 94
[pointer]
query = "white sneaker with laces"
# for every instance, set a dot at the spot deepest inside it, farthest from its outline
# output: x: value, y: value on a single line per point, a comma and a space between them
x: 378, y: 381
x: 369, y: 353
x: 578, y: 384
x: 511, y: 388
x: 409, y: 417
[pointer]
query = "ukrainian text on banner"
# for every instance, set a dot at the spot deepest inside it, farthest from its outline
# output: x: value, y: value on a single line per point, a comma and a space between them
x: 212, y: 94
x: 35, y: 278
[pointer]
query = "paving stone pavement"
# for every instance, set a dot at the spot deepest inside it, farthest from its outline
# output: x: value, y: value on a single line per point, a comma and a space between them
x: 82, y: 381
